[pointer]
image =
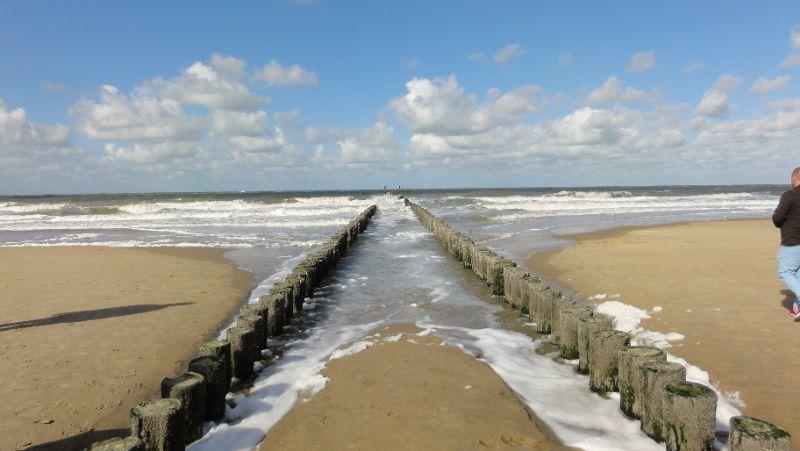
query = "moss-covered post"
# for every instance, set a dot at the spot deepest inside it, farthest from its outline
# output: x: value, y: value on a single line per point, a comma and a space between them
x: 630, y: 384
x: 243, y: 350
x: 118, y: 444
x: 274, y: 314
x: 190, y: 389
x: 256, y: 323
x: 220, y: 349
x: 568, y: 329
x: 690, y: 412
x: 262, y: 311
x: 587, y: 326
x: 212, y: 368
x: 604, y: 348
x: 159, y: 425
x: 655, y: 376
x: 752, y: 434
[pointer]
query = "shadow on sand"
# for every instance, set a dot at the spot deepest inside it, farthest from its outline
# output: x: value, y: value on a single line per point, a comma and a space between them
x: 89, y: 315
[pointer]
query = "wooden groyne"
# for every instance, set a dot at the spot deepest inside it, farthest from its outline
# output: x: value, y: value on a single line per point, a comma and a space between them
x: 679, y: 413
x: 198, y: 395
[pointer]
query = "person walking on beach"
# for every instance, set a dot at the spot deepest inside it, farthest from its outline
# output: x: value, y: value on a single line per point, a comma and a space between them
x: 787, y: 218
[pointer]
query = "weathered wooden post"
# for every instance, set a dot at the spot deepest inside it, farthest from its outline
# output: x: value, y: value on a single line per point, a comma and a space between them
x: 243, y: 345
x: 190, y: 389
x: 630, y: 384
x: 752, y: 434
x: 587, y: 326
x: 220, y: 349
x: 655, y: 376
x: 159, y: 425
x: 256, y: 323
x: 274, y: 314
x: 604, y: 347
x: 262, y: 311
x: 568, y: 329
x: 212, y: 368
x: 690, y: 412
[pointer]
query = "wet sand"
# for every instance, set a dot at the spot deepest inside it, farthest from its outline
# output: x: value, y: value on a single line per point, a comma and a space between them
x: 717, y: 284
x: 86, y: 332
x: 410, y: 394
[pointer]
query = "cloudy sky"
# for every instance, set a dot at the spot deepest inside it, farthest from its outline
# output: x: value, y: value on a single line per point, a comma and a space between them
x: 102, y: 96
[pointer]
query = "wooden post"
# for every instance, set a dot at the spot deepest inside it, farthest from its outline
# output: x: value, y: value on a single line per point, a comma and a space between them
x: 604, y: 347
x: 159, y: 425
x: 630, y: 384
x: 256, y: 323
x: 587, y: 326
x: 557, y: 303
x: 190, y: 389
x: 212, y: 368
x: 752, y: 434
x: 655, y: 376
x: 243, y: 345
x: 568, y: 329
x: 222, y: 350
x: 690, y: 412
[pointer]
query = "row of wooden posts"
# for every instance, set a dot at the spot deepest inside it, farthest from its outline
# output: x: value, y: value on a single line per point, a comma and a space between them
x: 198, y: 395
x: 672, y: 410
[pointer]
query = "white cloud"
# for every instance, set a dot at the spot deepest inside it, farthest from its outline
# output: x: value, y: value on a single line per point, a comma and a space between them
x: 146, y: 154
x: 794, y: 37
x: 17, y: 130
x: 727, y: 83
x: 275, y: 74
x: 642, y: 61
x: 230, y: 66
x: 613, y: 90
x: 376, y: 143
x: 142, y: 116
x: 440, y: 105
x: 237, y: 123
x: 714, y: 104
x: 508, y: 53
x: 565, y: 60
x: 202, y: 85
x: 791, y: 60
x: 767, y: 85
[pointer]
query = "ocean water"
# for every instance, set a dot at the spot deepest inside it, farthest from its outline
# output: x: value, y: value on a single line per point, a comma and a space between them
x: 396, y: 272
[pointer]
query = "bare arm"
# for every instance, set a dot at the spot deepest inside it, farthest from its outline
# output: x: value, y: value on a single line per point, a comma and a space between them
x: 782, y: 210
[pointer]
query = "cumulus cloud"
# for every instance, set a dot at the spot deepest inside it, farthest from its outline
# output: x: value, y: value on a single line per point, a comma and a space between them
x: 767, y: 85
x: 727, y: 83
x: 200, y: 84
x: 440, y: 105
x: 642, y: 61
x: 229, y: 66
x: 378, y: 142
x: 714, y: 104
x: 237, y: 123
x: 274, y: 73
x: 507, y: 53
x: 147, y: 154
x: 613, y: 91
x: 794, y: 37
x: 138, y: 117
x: 17, y: 130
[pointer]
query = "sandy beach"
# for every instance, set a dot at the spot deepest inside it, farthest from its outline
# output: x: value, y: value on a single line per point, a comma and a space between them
x: 410, y: 392
x: 86, y: 332
x: 717, y: 285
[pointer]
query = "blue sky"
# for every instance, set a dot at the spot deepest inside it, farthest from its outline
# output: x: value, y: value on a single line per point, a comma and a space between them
x: 428, y: 94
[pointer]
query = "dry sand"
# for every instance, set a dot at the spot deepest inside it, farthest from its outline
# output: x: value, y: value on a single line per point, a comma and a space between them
x: 410, y: 394
x: 717, y: 283
x: 86, y: 332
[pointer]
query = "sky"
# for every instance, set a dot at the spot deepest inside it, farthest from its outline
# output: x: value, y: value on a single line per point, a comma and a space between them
x: 143, y: 96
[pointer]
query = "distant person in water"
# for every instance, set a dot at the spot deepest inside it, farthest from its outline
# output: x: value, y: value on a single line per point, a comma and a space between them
x: 385, y: 190
x: 787, y: 218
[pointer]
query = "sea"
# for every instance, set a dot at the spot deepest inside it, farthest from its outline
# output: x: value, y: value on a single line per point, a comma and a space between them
x: 396, y: 272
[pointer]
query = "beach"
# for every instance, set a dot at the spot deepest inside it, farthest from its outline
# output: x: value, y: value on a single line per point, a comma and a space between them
x: 86, y: 332
x: 409, y: 390
x: 713, y: 282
